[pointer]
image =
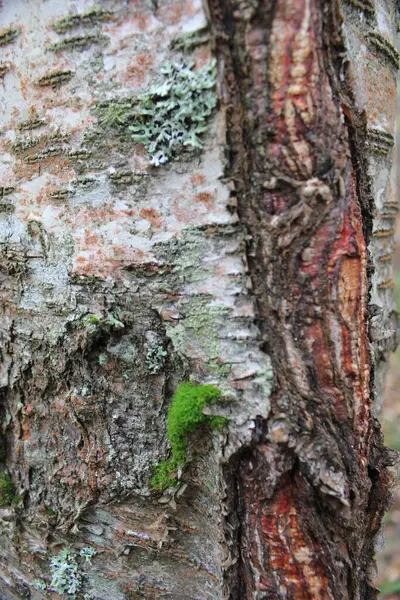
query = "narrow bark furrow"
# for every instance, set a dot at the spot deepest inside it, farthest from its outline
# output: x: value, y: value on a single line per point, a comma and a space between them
x: 305, y: 490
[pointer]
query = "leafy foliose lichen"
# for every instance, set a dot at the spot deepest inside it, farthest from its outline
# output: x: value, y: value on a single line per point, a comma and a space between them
x: 87, y: 553
x: 66, y: 577
x: 155, y: 357
x: 40, y: 585
x: 185, y: 415
x: 172, y: 116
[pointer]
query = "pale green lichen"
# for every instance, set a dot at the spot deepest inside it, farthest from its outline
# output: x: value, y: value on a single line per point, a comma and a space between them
x: 185, y: 415
x: 66, y: 577
x: 172, y: 116
x: 109, y: 322
x: 201, y: 326
x: 103, y: 359
x: 155, y: 357
x: 87, y: 553
x: 113, y: 322
x: 40, y: 585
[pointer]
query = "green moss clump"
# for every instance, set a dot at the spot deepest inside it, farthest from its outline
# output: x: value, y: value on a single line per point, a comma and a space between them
x: 50, y: 511
x: 7, y: 492
x: 92, y: 319
x: 185, y: 415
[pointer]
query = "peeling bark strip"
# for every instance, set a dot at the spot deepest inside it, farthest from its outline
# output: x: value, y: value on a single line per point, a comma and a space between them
x: 313, y: 485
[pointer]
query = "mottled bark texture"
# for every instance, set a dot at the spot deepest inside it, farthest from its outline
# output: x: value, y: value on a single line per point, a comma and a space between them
x: 260, y: 264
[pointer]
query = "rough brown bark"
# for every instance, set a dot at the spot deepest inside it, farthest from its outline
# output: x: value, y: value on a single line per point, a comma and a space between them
x: 311, y: 489
x: 271, y: 245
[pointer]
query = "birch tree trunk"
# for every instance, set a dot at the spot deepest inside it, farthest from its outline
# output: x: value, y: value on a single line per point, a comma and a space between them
x: 254, y: 256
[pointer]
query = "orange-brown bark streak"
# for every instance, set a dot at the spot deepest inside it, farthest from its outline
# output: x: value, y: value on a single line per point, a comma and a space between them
x: 313, y: 295
x: 309, y: 127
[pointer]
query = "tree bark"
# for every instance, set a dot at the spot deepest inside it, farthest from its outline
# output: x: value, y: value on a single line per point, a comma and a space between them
x: 260, y: 264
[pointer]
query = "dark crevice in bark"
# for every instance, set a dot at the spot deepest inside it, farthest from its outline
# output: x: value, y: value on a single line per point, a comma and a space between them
x: 303, y: 190
x: 234, y: 574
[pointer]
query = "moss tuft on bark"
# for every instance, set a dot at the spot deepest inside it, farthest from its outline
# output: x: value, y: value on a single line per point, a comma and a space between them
x: 7, y: 491
x: 184, y: 417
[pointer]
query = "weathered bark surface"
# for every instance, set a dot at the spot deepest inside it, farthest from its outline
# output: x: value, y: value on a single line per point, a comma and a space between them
x: 310, y: 155
x: 261, y: 265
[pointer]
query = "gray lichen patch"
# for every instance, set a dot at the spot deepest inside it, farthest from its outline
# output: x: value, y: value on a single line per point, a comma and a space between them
x: 14, y: 260
x: 88, y: 19
x: 66, y: 577
x: 8, y: 35
x: 155, y: 353
x: 199, y: 330
x: 171, y: 118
